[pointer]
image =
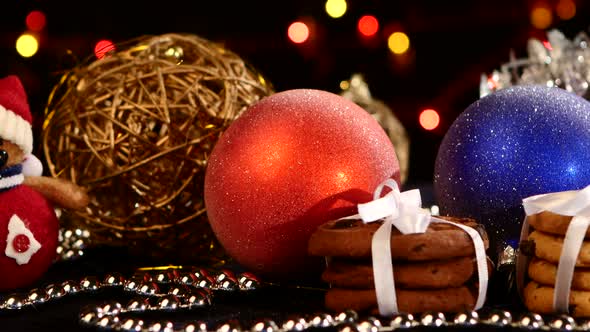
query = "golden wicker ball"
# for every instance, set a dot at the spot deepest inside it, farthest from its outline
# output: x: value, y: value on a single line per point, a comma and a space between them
x: 136, y: 128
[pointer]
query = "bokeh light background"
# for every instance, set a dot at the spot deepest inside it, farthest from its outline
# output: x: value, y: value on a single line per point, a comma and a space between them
x: 415, y: 55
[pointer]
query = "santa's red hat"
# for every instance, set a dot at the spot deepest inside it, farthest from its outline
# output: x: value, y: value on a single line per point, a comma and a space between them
x: 15, y: 116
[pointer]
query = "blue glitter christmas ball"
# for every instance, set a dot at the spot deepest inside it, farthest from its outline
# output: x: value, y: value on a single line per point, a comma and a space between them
x: 517, y: 142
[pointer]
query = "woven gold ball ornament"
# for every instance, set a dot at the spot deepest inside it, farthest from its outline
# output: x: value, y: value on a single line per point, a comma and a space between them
x: 136, y: 128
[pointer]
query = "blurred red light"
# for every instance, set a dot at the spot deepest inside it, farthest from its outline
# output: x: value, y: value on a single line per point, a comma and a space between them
x: 103, y: 47
x: 368, y: 25
x: 35, y: 21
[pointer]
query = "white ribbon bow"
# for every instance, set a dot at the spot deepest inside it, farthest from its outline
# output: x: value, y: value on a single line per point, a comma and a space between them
x: 575, y: 203
x: 404, y: 211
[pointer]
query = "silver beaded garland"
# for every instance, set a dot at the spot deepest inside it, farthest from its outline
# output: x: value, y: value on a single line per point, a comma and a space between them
x: 295, y: 324
x: 434, y: 319
x: 348, y: 316
x: 531, y: 321
x: 563, y: 323
x: 466, y: 318
x: 499, y: 318
x: 402, y: 321
x: 176, y: 289
x: 322, y: 320
x: 266, y: 325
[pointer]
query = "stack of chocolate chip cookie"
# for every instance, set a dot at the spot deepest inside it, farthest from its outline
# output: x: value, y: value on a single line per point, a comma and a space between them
x: 544, y: 245
x: 433, y: 271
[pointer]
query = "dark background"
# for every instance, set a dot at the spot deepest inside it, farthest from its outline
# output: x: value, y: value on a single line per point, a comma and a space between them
x: 452, y: 44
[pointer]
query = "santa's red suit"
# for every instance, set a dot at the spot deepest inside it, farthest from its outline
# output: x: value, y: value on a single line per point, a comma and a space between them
x: 28, y: 236
x: 28, y: 224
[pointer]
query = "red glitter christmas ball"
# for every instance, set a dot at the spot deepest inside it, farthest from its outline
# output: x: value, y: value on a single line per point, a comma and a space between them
x: 291, y: 162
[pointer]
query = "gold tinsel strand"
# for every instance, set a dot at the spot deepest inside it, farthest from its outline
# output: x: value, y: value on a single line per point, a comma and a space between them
x: 136, y: 129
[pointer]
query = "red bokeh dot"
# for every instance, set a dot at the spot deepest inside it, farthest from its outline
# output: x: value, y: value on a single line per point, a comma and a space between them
x: 368, y: 25
x: 35, y: 20
x: 103, y: 47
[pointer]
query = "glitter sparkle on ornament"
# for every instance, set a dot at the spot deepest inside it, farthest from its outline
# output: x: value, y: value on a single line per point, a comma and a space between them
x: 291, y: 162
x: 514, y: 143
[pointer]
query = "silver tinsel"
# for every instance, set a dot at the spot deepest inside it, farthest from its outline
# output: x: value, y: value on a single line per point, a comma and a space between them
x: 557, y: 61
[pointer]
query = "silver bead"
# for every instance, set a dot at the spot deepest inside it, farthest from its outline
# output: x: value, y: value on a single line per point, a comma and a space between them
x: 131, y: 285
x: 148, y: 288
x: 530, y: 321
x: 188, y: 278
x: 227, y: 285
x: 225, y: 281
x: 197, y: 298
x: 348, y: 316
x: 204, y: 282
x: 163, y: 277
x: 89, y: 284
x: 584, y: 325
x: 467, y: 318
x: 229, y: 326
x: 198, y: 327
x: 402, y: 321
x: 168, y: 303
x: 138, y: 305
x: 295, y: 324
x: 498, y: 318
x: 161, y: 327
x: 562, y: 323
x: 433, y: 319
x: 107, y: 322
x: 265, y: 326
x: 132, y: 325
x: 108, y: 309
x: 54, y: 291
x: 321, y: 320
x: 89, y: 318
x: 248, y: 281
x: 70, y: 287
x: 367, y: 326
x: 348, y: 327
x: 180, y: 290
x: 113, y: 280
x: 14, y: 302
x: 37, y: 296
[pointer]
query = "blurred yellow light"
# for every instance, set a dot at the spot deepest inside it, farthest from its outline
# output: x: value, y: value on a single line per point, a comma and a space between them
x: 336, y: 8
x: 565, y: 9
x: 344, y: 85
x: 398, y: 42
x: 27, y: 45
x: 541, y: 17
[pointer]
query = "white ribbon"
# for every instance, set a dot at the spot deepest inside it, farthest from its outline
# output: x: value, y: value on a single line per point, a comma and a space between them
x: 403, y: 210
x: 574, y: 203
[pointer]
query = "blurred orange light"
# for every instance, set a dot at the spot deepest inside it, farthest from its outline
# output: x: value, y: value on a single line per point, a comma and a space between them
x: 298, y: 32
x: 429, y: 119
x: 103, y: 47
x: 35, y: 20
x: 368, y: 25
x: 565, y: 9
x: 541, y: 17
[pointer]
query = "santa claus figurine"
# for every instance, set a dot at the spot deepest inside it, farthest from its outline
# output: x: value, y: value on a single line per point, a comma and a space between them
x: 28, y: 224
